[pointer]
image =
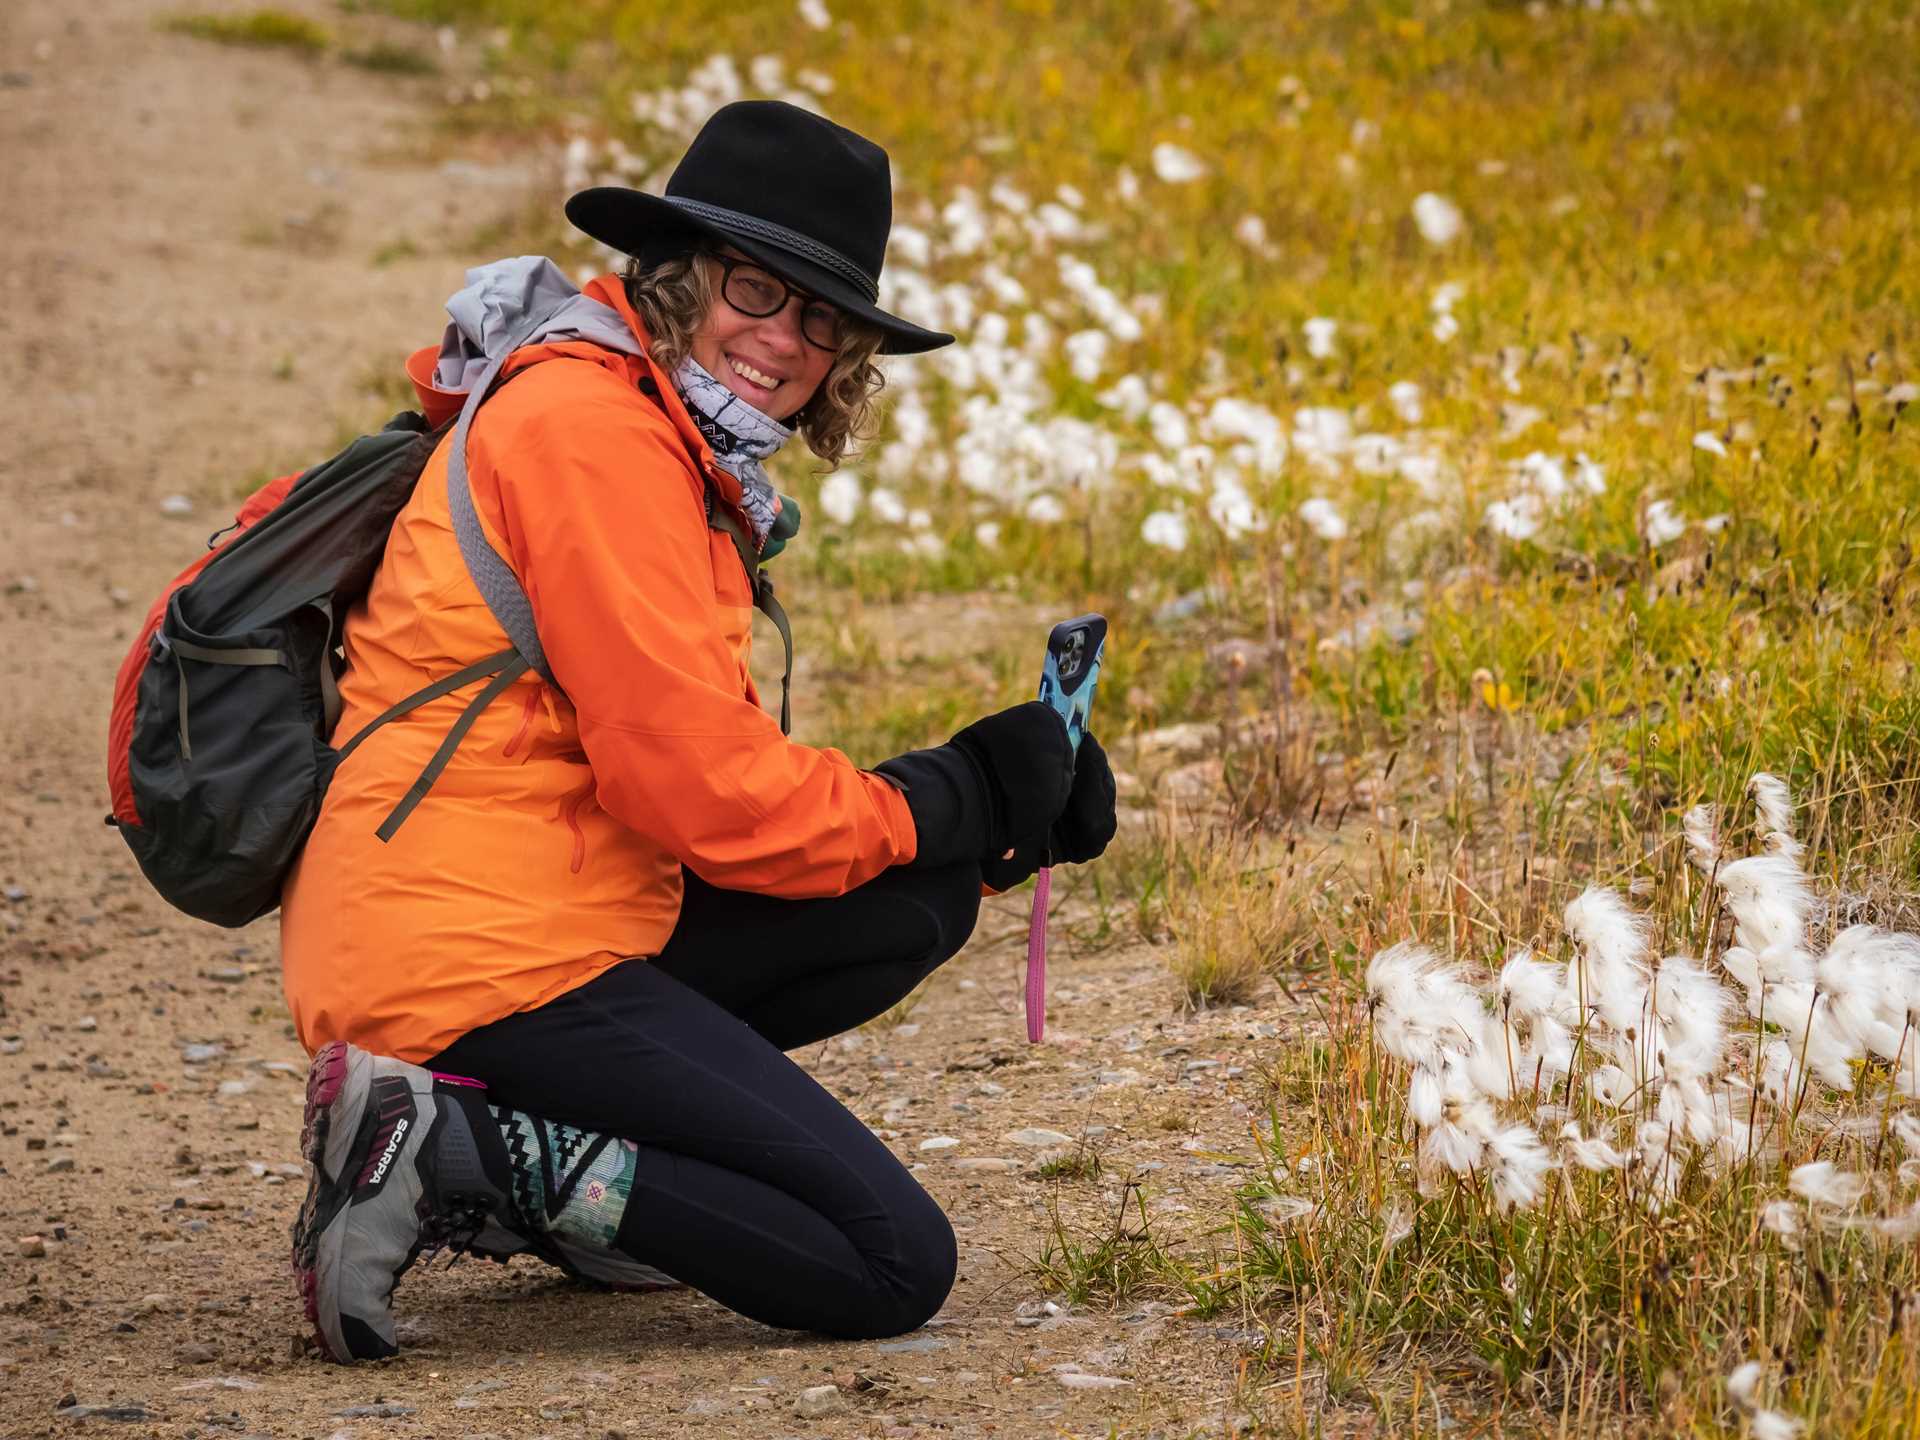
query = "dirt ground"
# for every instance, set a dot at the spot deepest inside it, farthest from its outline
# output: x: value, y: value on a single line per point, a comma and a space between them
x: 210, y: 253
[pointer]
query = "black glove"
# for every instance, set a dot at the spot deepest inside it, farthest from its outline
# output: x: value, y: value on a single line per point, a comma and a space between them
x: 1079, y: 835
x: 1001, y: 777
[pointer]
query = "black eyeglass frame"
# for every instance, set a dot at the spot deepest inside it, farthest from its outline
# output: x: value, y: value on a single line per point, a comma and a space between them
x: 729, y: 263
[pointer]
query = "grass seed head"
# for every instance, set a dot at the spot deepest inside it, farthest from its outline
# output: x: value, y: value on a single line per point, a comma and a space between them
x: 1529, y: 985
x: 1820, y: 1182
x: 1782, y: 1218
x: 1701, y: 825
x: 1591, y: 1154
x: 1774, y: 804
x: 1769, y: 899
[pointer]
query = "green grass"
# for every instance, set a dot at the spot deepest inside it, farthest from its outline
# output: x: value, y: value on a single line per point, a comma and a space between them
x: 1697, y: 221
x: 1586, y: 1312
x: 1642, y: 204
x: 386, y: 58
x: 265, y: 28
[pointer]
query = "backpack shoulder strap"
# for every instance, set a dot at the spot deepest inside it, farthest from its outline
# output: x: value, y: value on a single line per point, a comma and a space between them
x: 497, y: 583
x: 501, y: 589
x: 761, y: 584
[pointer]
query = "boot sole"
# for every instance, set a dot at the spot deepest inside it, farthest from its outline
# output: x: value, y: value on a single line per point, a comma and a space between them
x: 325, y: 1076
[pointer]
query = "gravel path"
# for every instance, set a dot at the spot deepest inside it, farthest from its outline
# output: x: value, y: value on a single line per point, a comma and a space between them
x: 216, y: 260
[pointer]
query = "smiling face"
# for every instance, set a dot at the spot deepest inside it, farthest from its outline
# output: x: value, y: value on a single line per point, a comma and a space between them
x: 764, y: 360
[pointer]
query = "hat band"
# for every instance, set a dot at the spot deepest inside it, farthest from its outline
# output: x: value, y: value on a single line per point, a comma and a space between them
x: 786, y: 239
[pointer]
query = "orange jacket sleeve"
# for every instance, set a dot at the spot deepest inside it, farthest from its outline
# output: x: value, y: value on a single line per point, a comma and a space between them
x: 607, y: 531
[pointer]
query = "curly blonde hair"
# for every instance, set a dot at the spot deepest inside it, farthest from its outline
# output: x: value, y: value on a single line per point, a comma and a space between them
x: 673, y: 298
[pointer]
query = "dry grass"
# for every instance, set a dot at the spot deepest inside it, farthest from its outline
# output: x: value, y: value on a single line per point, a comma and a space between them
x: 1643, y: 525
x: 276, y: 29
x: 1237, y: 913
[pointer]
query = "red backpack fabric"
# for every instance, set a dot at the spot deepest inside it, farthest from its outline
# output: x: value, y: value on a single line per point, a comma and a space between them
x: 126, y: 685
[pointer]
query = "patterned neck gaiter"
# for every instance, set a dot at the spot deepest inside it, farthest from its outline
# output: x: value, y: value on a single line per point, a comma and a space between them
x: 740, y: 435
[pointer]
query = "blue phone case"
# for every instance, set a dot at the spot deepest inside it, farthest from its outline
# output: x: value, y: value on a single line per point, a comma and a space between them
x: 1071, y: 670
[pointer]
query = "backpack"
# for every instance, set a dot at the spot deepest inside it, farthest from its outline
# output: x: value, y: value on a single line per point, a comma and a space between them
x: 218, y: 753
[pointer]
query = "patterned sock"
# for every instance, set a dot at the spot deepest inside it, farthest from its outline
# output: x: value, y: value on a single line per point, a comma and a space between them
x: 567, y: 1182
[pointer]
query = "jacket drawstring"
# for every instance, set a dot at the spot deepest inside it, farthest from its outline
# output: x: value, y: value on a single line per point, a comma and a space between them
x: 541, y: 695
x: 526, y: 719
x: 570, y: 812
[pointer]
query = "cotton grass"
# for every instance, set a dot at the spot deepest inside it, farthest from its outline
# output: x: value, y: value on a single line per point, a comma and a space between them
x: 1649, y: 1038
x: 1583, y: 1157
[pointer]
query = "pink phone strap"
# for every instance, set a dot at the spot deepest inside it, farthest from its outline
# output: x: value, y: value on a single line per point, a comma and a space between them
x: 1037, y: 956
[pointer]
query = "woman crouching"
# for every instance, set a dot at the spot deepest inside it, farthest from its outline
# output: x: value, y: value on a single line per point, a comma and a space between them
x: 548, y: 1013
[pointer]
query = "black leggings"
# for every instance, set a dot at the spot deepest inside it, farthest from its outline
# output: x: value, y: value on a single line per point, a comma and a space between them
x: 754, y: 1185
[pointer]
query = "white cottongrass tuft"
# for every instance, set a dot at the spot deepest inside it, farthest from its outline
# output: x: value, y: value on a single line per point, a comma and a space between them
x: 1782, y: 1218
x: 1674, y: 1097
x: 1087, y: 354
x: 1781, y: 1077
x: 1662, y: 524
x: 1871, y: 979
x: 1530, y: 986
x: 1438, y: 218
x: 1610, y: 972
x: 1129, y: 395
x: 1516, y: 519
x: 1320, y: 332
x: 1176, y: 165
x: 1458, y: 1144
x: 1285, y: 1209
x: 1711, y: 443
x: 1404, y: 396
x: 1743, y: 1388
x: 1169, y: 425
x: 1591, y: 1154
x: 1323, y: 517
x: 1519, y: 1163
x: 840, y: 496
x: 813, y: 13
x: 1166, y: 529
x: 1253, y: 434
x: 908, y: 244
x: 1770, y: 901
x: 1774, y: 802
x: 1701, y: 826
x: 1425, y: 1011
x: 1820, y: 1182
x: 1046, y: 510
x: 1743, y: 1385
x: 1426, y: 1098
x: 1901, y: 1227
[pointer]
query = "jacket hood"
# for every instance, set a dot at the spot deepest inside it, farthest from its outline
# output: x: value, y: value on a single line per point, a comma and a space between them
x: 500, y: 310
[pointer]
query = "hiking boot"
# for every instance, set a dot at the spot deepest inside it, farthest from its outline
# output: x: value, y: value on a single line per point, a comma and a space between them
x: 395, y: 1170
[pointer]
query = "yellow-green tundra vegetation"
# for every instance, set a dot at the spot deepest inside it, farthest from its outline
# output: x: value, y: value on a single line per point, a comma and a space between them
x: 1490, y: 431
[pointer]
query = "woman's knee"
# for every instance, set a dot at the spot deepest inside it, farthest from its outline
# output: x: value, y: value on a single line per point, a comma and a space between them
x: 914, y: 1281
x: 950, y: 898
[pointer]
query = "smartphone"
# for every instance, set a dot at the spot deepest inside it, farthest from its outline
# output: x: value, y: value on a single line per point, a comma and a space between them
x: 1072, y: 668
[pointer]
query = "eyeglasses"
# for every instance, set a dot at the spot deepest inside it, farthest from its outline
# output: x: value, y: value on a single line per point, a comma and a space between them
x: 757, y: 292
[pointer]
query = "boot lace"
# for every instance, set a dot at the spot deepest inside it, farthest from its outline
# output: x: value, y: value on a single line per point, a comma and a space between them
x: 454, y: 1226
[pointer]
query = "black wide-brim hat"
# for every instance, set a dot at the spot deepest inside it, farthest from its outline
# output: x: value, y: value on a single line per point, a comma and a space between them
x: 807, y: 198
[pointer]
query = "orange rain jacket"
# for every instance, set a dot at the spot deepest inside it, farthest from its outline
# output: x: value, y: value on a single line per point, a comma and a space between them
x: 551, y: 847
